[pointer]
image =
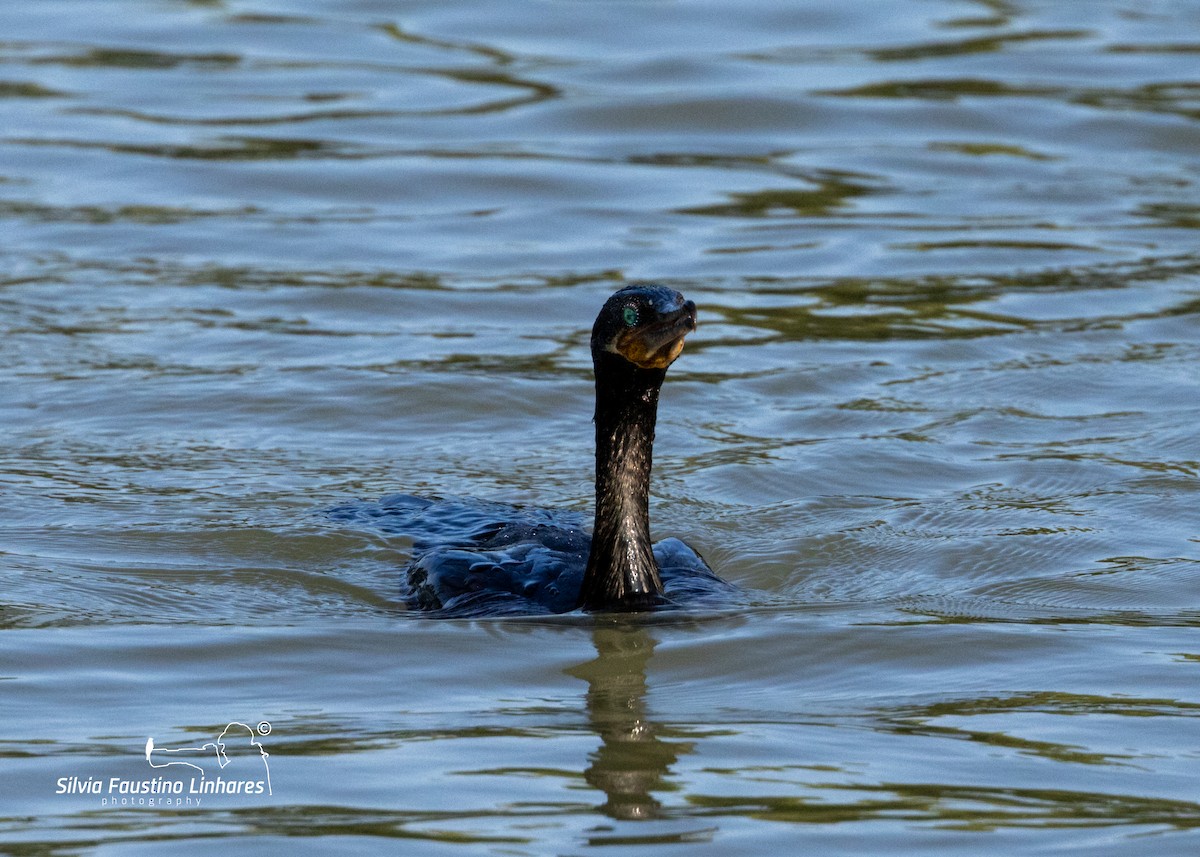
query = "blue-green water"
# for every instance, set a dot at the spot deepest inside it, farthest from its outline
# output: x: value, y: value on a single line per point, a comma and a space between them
x: 261, y: 258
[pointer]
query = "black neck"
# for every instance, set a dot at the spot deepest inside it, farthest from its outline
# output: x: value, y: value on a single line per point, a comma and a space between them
x: 621, y: 572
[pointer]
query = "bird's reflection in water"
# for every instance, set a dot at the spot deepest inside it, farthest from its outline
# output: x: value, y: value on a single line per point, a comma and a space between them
x: 632, y: 761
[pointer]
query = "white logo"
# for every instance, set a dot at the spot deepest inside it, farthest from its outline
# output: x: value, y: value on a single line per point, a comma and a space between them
x: 234, y: 763
x: 237, y: 743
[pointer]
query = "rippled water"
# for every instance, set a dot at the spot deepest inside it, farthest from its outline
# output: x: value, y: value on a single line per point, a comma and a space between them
x: 261, y: 258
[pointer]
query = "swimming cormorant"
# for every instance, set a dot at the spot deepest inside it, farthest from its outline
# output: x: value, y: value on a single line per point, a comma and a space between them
x: 474, y: 558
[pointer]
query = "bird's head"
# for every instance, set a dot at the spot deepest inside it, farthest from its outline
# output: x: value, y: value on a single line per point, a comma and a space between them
x: 644, y: 324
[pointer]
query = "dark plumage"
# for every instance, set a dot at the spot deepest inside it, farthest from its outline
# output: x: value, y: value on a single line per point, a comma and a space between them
x: 474, y: 559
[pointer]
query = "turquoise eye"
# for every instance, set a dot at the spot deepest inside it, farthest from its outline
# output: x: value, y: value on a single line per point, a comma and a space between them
x: 630, y: 316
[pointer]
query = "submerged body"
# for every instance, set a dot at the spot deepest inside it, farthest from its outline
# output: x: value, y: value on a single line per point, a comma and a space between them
x: 474, y: 559
x: 477, y: 558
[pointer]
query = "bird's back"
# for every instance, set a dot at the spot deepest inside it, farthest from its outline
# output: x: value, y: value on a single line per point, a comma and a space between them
x: 479, y: 558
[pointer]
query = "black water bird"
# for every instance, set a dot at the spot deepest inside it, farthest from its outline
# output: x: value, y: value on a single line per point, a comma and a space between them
x: 475, y: 558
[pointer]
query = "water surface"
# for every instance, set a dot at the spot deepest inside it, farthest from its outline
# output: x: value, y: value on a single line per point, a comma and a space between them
x: 259, y: 259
